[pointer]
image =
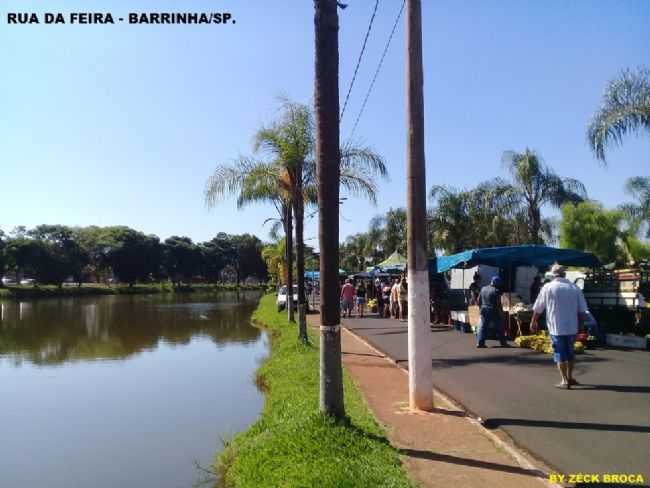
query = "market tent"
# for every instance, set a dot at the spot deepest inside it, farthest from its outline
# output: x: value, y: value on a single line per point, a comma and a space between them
x: 513, y: 256
x: 394, y: 261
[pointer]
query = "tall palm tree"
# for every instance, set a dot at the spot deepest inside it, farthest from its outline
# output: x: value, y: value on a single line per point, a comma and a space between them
x: 538, y: 185
x: 287, y: 179
x: 291, y: 141
x: 625, y: 109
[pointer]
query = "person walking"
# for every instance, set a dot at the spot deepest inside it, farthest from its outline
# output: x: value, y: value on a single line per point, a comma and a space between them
x: 361, y: 298
x: 394, y: 299
x: 403, y: 298
x: 347, y: 298
x: 489, y: 301
x: 377, y: 288
x: 565, y: 308
x: 385, y: 295
x: 475, y: 289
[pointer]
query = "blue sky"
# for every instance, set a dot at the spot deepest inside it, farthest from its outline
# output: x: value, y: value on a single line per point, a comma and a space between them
x: 122, y: 124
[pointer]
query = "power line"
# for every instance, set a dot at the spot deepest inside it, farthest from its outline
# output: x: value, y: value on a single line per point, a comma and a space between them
x: 356, y: 69
x: 381, y: 61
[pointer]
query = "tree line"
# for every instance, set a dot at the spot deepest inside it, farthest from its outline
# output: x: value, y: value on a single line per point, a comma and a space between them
x: 53, y: 254
x: 503, y: 213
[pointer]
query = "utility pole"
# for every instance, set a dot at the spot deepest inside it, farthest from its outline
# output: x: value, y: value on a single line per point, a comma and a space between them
x: 419, y: 332
x: 328, y: 161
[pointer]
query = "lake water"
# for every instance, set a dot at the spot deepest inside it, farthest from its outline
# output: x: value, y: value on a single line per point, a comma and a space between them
x: 124, y: 391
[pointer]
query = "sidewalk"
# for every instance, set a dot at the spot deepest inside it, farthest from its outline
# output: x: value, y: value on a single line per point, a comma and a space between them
x: 602, y: 426
x: 441, y: 448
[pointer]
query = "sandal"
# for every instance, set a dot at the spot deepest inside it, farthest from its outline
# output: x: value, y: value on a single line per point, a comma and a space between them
x: 563, y: 386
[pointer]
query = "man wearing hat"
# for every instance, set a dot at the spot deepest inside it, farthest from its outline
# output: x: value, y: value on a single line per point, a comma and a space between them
x: 565, y: 308
x: 490, y: 302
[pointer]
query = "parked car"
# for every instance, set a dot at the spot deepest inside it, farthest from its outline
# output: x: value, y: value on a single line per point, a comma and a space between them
x: 281, y: 300
x: 6, y: 280
x: 27, y: 281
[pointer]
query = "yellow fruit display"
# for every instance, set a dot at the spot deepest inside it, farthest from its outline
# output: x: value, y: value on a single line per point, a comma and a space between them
x: 542, y: 343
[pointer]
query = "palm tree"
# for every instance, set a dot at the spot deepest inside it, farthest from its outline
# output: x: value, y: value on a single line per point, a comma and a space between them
x: 291, y: 142
x: 538, y: 185
x: 253, y: 181
x: 625, y: 109
x: 288, y: 180
x: 638, y: 213
x: 478, y: 217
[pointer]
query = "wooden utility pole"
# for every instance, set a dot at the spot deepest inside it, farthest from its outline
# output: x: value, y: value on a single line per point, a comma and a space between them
x: 419, y: 332
x: 328, y: 161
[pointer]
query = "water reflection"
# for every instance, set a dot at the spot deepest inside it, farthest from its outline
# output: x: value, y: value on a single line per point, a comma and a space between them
x: 55, y: 331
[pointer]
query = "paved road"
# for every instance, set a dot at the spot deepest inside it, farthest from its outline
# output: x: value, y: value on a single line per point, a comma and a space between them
x: 601, y: 427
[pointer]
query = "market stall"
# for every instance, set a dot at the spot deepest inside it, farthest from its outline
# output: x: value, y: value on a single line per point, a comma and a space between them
x: 517, y: 313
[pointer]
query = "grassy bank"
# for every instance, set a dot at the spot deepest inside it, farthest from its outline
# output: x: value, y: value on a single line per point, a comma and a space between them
x: 292, y: 444
x: 47, y: 291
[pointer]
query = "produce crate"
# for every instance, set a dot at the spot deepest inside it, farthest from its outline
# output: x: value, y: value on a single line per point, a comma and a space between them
x: 474, y: 315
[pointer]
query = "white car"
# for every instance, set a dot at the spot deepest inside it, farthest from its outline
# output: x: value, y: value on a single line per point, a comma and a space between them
x: 27, y: 281
x: 281, y: 301
x: 8, y: 281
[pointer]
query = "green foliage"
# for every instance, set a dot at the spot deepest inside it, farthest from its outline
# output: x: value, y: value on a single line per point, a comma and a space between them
x: 248, y: 257
x: 535, y: 185
x: 638, y: 212
x: 292, y: 444
x: 588, y: 226
x: 636, y: 249
x: 3, y: 256
x: 487, y: 215
x: 217, y: 254
x: 625, y: 109
x: 53, y: 253
x: 181, y: 259
x: 135, y: 257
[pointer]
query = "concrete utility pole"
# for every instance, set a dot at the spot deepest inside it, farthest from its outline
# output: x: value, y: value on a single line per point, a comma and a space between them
x: 419, y: 332
x: 328, y: 161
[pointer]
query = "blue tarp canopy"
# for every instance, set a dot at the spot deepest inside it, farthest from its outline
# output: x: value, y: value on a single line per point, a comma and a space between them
x: 513, y: 256
x: 315, y: 275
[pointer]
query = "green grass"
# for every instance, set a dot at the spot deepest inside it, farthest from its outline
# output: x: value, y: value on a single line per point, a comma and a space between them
x: 292, y: 444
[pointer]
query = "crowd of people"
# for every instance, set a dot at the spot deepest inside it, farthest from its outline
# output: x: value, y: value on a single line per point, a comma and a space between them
x: 391, y: 295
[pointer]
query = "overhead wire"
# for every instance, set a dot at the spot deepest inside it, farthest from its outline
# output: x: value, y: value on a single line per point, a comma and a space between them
x: 356, y: 69
x: 381, y: 61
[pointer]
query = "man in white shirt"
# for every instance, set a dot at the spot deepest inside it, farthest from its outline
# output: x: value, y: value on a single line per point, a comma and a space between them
x: 565, y: 308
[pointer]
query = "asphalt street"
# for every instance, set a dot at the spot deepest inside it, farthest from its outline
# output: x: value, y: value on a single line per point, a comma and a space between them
x: 602, y: 426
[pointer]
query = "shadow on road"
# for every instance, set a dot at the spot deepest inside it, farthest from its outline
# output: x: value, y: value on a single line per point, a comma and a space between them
x: 494, y: 423
x: 521, y: 359
x: 446, y: 458
x: 616, y: 388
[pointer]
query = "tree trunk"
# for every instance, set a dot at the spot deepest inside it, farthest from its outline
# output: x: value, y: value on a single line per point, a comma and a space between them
x: 289, y: 246
x: 298, y: 210
x: 534, y: 223
x: 328, y: 164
